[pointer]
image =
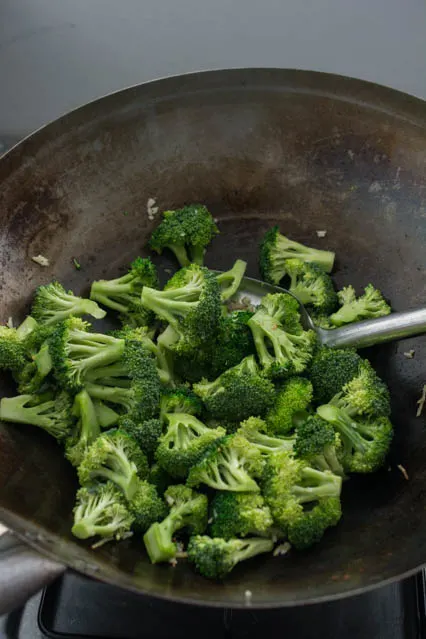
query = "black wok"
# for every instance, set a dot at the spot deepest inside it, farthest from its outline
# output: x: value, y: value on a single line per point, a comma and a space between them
x: 307, y: 151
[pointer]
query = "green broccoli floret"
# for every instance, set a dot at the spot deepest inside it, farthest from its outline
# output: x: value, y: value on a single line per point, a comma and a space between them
x: 12, y: 350
x: 146, y: 433
x: 184, y: 442
x: 238, y: 393
x: 86, y: 430
x: 101, y: 511
x: 195, y: 366
x: 368, y: 306
x: 230, y: 463
x: 311, y: 285
x: 276, y: 249
x: 32, y: 377
x: 305, y: 531
x: 187, y: 232
x: 52, y: 415
x: 106, y: 416
x: 230, y: 281
x: 319, y: 445
x: 188, y: 510
x: 215, y: 557
x: 233, y: 343
x: 283, y: 347
x: 52, y: 303
x: 159, y: 478
x: 190, y: 303
x: 146, y: 507
x: 365, y: 442
x: 366, y: 394
x: 321, y: 320
x: 255, y: 429
x: 180, y: 400
x: 26, y: 327
x: 123, y: 294
x: 292, y: 398
x: 239, y: 515
x: 114, y: 456
x: 331, y: 369
x: 75, y: 351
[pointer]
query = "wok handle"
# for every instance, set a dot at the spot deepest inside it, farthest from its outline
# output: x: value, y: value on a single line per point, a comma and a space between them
x: 23, y: 572
x: 376, y: 331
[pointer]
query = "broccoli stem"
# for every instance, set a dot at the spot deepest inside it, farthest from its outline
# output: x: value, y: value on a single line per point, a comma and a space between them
x: 180, y: 253
x: 26, y: 327
x: 107, y: 417
x: 230, y: 281
x: 43, y: 360
x: 290, y: 249
x: 320, y: 484
x: 197, y: 254
x: 166, y: 304
x: 344, y: 424
x: 251, y: 548
x: 104, y: 291
x: 158, y: 540
x: 113, y: 394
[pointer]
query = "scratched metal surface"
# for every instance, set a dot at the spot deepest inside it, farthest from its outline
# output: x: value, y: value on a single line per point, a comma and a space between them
x: 307, y: 151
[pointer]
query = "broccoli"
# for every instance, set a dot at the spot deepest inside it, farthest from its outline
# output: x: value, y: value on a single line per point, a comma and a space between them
x: 292, y: 399
x: 283, y: 347
x: 366, y: 394
x: 229, y: 281
x: 34, y: 376
x: 276, y: 249
x: 26, y: 327
x: 233, y: 343
x: 215, y: 557
x: 365, y: 442
x: 195, y: 366
x: 187, y: 232
x: 368, y: 306
x: 239, y: 515
x: 106, y: 416
x: 114, y: 456
x: 52, y: 415
x: 101, y: 511
x: 75, y: 351
x: 319, y: 445
x: 311, y: 285
x: 12, y: 350
x: 297, y: 494
x: 184, y: 442
x: 255, y: 429
x: 124, y: 293
x: 305, y: 531
x: 52, y: 304
x: 146, y: 506
x: 86, y: 431
x: 238, y: 393
x: 159, y: 478
x: 231, y: 464
x: 190, y: 303
x: 331, y: 369
x: 146, y: 433
x: 180, y: 400
x: 188, y: 510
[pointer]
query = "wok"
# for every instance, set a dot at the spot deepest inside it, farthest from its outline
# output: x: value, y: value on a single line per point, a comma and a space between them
x: 307, y: 151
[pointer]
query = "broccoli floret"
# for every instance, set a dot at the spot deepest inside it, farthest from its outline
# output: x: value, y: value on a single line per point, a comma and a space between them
x: 106, y: 416
x: 123, y: 294
x: 311, y: 285
x: 366, y: 394
x: 140, y: 400
x: 184, y: 442
x: 255, y: 429
x: 276, y: 249
x: 86, y: 430
x: 146, y: 434
x: 52, y: 303
x: 180, y: 400
x: 114, y: 456
x: 305, y: 531
x: 32, y: 377
x: 331, y: 369
x: 238, y: 393
x: 230, y: 463
x: 319, y: 445
x: 292, y: 398
x: 26, y: 327
x: 75, y: 351
x: 368, y: 306
x: 292, y: 489
x: 215, y: 557
x: 187, y: 232
x: 146, y: 507
x: 12, y: 350
x: 188, y: 510
x: 365, y: 442
x: 159, y: 478
x: 101, y: 511
x: 283, y: 347
x: 190, y: 303
x: 195, y: 366
x: 52, y: 415
x: 230, y: 281
x: 239, y: 515
x: 321, y: 320
x: 233, y: 343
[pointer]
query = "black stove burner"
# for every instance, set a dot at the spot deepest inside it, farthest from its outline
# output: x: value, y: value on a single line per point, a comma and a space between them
x: 77, y: 607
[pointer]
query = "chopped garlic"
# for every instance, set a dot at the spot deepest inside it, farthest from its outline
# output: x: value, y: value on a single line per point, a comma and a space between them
x: 282, y: 549
x: 247, y: 597
x: 321, y: 233
x: 403, y: 471
x: 9, y: 322
x: 152, y: 210
x: 409, y: 354
x: 421, y: 401
x: 41, y: 260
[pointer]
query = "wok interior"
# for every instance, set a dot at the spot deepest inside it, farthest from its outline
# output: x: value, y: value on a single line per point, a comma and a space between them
x: 306, y: 151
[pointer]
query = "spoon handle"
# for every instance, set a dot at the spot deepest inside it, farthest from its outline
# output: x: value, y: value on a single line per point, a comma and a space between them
x: 384, y: 329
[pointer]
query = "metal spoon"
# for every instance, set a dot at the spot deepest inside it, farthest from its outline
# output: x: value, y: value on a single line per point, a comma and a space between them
x: 360, y: 334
